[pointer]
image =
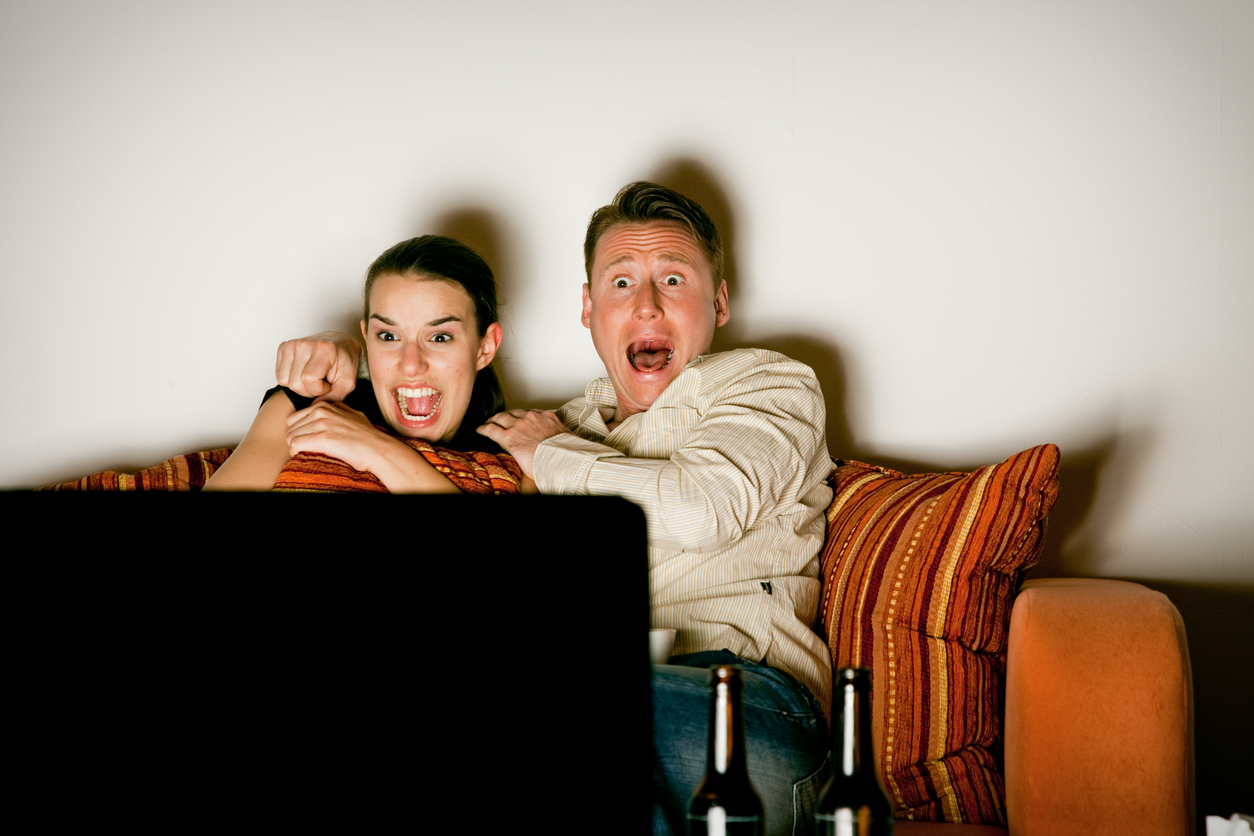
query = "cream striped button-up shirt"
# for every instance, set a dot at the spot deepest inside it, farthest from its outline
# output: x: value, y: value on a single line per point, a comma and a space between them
x: 730, y: 466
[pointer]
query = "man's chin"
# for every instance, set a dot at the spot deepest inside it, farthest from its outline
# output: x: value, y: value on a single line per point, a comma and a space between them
x: 642, y: 389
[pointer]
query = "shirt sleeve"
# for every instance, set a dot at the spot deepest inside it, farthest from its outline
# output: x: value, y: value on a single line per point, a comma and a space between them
x: 749, y: 453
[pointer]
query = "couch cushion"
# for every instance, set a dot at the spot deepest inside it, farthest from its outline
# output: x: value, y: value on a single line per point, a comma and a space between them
x: 919, y: 573
x: 187, y: 472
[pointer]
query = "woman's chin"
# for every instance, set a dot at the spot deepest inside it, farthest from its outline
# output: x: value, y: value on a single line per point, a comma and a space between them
x: 410, y: 432
x: 431, y: 433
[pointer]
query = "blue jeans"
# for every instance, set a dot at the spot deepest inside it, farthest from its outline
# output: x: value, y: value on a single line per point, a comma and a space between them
x: 785, y: 738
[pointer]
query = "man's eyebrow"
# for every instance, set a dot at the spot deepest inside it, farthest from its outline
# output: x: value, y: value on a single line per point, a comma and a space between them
x: 614, y: 263
x: 432, y: 324
x: 680, y: 259
x: 675, y: 257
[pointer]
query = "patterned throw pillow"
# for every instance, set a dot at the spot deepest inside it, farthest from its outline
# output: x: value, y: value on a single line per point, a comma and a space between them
x: 187, y: 472
x: 472, y: 472
x: 919, y: 573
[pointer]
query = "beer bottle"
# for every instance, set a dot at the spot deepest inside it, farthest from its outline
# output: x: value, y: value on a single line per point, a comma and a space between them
x: 854, y: 802
x: 725, y: 803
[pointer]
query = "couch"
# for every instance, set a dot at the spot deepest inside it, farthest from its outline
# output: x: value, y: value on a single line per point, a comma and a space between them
x: 1054, y: 706
x: 1084, y: 685
x: 1099, y: 714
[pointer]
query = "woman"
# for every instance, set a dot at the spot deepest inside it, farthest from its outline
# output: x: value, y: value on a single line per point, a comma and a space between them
x: 431, y: 332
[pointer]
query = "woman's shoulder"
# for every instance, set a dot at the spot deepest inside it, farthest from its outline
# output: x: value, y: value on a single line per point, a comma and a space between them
x: 361, y: 399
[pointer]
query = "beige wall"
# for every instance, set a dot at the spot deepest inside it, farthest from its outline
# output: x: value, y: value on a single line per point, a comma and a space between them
x: 987, y: 225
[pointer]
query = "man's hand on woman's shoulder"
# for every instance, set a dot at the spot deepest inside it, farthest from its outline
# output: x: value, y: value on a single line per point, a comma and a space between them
x: 520, y: 431
x: 322, y: 366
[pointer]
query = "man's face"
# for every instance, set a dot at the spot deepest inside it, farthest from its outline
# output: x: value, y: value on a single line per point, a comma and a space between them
x: 652, y: 307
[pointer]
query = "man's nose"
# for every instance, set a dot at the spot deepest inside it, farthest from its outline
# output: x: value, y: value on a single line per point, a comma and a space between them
x: 413, y: 359
x: 648, y: 301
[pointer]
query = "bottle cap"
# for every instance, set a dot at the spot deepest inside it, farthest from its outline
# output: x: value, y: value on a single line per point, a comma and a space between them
x: 859, y: 678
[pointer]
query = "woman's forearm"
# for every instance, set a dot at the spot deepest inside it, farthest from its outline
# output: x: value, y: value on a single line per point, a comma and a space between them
x: 341, y: 432
x: 402, y: 469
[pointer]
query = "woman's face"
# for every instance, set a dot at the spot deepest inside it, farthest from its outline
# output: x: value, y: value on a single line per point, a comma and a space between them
x: 424, y: 350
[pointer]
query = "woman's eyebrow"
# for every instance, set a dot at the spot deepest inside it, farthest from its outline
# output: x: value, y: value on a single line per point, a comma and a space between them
x: 433, y: 323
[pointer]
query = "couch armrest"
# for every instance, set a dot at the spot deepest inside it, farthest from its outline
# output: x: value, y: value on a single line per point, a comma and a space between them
x: 1099, y: 711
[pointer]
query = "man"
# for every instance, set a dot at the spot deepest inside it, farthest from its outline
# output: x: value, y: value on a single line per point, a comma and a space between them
x: 726, y: 454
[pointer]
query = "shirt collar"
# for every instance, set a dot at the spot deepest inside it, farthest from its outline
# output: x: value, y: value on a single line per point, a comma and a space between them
x: 600, y: 394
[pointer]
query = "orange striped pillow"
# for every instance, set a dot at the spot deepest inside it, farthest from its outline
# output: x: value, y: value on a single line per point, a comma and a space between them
x: 471, y: 472
x: 919, y: 573
x: 187, y: 472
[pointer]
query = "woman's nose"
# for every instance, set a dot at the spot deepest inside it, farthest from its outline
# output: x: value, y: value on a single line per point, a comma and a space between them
x: 413, y: 361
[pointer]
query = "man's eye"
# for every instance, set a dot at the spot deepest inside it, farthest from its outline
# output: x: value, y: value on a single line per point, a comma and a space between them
x: 621, y: 282
x: 674, y: 279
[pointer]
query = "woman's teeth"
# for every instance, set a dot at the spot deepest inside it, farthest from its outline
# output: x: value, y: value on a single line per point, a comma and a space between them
x: 418, y: 404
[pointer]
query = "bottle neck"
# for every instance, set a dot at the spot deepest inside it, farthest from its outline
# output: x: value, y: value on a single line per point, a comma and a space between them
x: 852, y: 744
x: 726, y: 752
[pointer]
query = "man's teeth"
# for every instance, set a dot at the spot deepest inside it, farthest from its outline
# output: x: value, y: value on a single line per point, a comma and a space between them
x: 631, y: 356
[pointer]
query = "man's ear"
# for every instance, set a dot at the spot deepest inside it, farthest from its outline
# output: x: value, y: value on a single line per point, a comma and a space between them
x: 586, y: 318
x: 721, y: 313
x: 488, y: 346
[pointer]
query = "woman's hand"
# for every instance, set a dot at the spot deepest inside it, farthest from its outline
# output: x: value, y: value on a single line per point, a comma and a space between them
x: 336, y: 430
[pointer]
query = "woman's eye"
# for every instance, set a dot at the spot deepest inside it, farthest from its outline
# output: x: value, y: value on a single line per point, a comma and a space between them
x: 386, y: 336
x: 441, y: 338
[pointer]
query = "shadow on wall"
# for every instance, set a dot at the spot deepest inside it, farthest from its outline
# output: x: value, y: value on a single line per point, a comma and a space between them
x: 484, y: 232
x: 690, y: 177
x: 1219, y: 619
x: 1219, y: 627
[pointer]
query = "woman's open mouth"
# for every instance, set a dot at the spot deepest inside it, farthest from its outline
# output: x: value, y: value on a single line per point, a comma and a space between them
x: 418, y: 405
x: 650, y: 355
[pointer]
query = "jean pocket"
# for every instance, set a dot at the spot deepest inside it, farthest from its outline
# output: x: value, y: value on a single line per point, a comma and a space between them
x: 805, y: 794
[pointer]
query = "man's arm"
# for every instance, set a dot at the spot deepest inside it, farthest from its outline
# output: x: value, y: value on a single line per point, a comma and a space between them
x: 758, y: 444
x: 323, y: 366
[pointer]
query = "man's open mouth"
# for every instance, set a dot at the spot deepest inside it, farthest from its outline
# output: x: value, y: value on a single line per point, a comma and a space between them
x: 418, y: 404
x: 650, y: 355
